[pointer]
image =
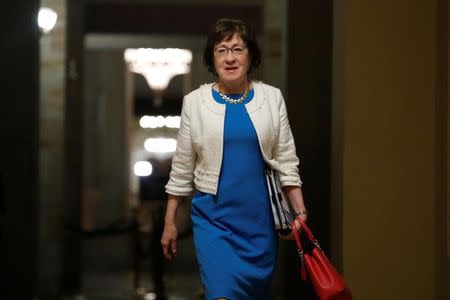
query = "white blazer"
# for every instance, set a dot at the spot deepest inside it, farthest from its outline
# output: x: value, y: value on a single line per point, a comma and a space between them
x: 198, y: 156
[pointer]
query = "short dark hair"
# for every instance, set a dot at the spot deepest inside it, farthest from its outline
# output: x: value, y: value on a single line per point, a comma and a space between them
x: 225, y: 29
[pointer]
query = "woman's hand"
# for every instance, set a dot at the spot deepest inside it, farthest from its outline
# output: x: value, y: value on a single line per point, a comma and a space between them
x: 169, y: 240
x: 295, y: 196
x: 169, y: 236
x: 290, y: 235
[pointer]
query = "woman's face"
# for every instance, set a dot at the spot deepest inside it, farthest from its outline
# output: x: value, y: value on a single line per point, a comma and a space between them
x: 231, y: 60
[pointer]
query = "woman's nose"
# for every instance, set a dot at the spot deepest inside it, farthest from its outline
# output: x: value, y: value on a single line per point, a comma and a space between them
x: 230, y: 57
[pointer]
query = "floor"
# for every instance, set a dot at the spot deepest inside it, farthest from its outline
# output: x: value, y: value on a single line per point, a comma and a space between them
x: 109, y: 274
x: 118, y: 286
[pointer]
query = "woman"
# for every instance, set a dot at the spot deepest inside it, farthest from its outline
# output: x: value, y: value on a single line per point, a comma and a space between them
x: 230, y: 130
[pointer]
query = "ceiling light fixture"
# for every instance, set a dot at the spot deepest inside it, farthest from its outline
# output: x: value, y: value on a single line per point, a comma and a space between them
x: 158, y: 66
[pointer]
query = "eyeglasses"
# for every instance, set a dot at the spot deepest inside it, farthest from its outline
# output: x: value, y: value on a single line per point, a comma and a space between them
x: 223, y: 51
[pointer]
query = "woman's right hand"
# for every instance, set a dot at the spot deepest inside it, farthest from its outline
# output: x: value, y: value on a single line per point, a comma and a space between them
x: 169, y: 240
x: 298, y: 227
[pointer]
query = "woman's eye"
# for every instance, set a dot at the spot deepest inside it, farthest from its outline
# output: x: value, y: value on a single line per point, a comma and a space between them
x: 237, y: 50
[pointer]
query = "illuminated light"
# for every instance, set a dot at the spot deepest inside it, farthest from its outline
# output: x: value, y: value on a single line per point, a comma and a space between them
x: 153, y: 122
x: 173, y: 121
x: 47, y: 19
x: 145, y: 121
x: 160, y: 145
x: 150, y: 296
x: 158, y: 66
x: 160, y: 121
x: 143, y: 168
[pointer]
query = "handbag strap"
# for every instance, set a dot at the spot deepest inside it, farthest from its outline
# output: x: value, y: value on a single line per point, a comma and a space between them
x: 299, y: 243
x: 297, y: 238
x: 308, y: 232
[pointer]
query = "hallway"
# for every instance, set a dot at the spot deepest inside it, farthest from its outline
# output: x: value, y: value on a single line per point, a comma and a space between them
x: 366, y: 85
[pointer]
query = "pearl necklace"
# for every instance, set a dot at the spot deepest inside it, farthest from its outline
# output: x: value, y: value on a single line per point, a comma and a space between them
x: 234, y: 101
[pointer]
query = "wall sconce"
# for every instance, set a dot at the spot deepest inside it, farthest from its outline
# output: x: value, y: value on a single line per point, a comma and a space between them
x: 46, y: 19
x: 158, y: 66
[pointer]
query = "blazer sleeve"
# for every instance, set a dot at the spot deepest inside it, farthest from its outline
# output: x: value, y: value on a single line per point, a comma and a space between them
x: 183, y: 163
x: 284, y: 151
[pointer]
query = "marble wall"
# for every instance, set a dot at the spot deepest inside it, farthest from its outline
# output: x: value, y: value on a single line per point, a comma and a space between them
x: 52, y: 94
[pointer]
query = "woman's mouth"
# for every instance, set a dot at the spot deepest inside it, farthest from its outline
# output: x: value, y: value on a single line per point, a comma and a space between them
x: 230, y: 69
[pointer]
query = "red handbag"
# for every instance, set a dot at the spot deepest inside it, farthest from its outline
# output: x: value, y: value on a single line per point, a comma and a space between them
x: 326, y: 281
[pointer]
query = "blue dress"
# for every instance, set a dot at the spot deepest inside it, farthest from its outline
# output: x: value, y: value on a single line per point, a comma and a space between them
x: 234, y: 236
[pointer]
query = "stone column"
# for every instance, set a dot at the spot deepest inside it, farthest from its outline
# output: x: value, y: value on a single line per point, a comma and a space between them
x: 51, y: 121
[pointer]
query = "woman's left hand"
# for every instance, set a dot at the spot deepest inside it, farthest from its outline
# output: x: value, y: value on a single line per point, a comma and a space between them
x: 290, y: 236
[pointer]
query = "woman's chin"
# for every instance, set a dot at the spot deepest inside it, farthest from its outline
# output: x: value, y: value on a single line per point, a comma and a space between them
x: 232, y: 78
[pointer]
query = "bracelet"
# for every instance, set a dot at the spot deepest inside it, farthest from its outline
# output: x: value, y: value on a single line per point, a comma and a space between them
x: 301, y: 212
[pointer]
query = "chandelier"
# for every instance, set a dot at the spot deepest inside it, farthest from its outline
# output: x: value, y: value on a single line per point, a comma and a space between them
x: 158, y: 66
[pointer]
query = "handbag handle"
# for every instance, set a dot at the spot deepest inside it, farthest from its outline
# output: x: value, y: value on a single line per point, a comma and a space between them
x: 299, y: 243
x: 308, y: 232
x: 297, y: 239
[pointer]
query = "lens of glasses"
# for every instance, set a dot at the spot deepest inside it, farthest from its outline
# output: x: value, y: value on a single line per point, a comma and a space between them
x: 236, y: 51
